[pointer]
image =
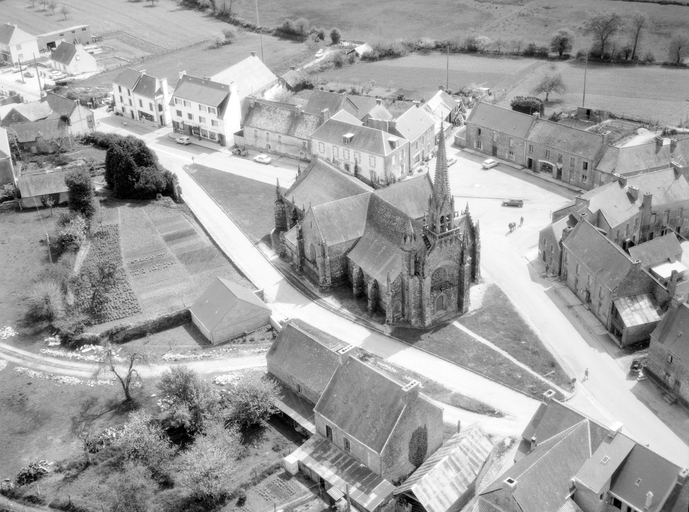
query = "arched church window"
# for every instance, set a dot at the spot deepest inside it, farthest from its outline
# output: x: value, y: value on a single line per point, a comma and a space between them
x: 313, y: 253
x: 439, y: 276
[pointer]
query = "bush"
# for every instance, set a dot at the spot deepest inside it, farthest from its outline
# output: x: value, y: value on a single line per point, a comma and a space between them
x: 528, y: 104
x: 102, y: 140
x: 251, y: 402
x: 321, y: 34
x: 45, y: 302
x: 80, y: 193
x: 188, y: 399
x: 230, y: 34
x: 649, y: 58
x: 71, y: 236
x: 471, y: 44
x: 335, y: 36
x: 143, y: 440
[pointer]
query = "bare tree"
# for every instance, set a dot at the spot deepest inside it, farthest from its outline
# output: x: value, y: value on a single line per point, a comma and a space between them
x: 125, y: 374
x: 518, y: 43
x: 638, y: 21
x: 499, y: 44
x: 103, y: 279
x: 679, y: 48
x: 603, y: 25
x: 64, y: 10
x: 153, y: 2
x: 550, y: 83
x: 52, y: 5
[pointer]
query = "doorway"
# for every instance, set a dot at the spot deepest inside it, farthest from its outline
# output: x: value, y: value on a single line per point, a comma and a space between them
x: 495, y: 151
x: 529, y: 163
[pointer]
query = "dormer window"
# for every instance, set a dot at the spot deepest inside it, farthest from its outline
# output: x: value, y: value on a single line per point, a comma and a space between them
x: 347, y: 138
x: 393, y: 142
x: 605, y: 460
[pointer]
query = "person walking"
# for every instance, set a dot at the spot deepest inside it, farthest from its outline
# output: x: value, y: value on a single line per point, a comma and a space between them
x: 521, y: 221
x: 586, y: 375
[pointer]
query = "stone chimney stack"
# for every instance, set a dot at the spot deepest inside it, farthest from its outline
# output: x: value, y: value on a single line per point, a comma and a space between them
x: 344, y: 353
x: 182, y: 73
x: 411, y: 390
x: 659, y: 143
x: 672, y: 284
x: 565, y: 233
x: 417, y: 103
x: 649, y: 500
x: 673, y: 145
x: 300, y: 109
x: 253, y: 54
x: 325, y: 115
x: 633, y: 192
x: 622, y: 180
x: 509, y: 485
x: 379, y: 101
x: 548, y: 396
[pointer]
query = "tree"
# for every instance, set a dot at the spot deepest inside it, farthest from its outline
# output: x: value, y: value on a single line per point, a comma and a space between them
x: 189, y: 399
x: 125, y: 375
x: 230, y: 34
x: 251, y: 402
x: 132, y: 489
x: 48, y: 201
x: 483, y: 43
x: 603, y: 25
x: 321, y: 34
x: 638, y: 21
x: 52, y: 5
x: 518, y: 43
x: 335, y: 36
x: 679, y: 48
x: 208, y: 467
x: 562, y: 41
x: 301, y: 26
x: 550, y: 83
x: 418, y: 446
x: 499, y: 44
x: 64, y: 10
x: 80, y: 193
x: 103, y: 278
x: 143, y: 440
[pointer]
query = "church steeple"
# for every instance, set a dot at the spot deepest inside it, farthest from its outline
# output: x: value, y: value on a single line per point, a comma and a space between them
x: 441, y: 205
x: 441, y: 184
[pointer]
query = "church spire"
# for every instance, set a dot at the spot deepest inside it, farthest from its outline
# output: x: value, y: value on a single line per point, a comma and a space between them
x: 441, y: 184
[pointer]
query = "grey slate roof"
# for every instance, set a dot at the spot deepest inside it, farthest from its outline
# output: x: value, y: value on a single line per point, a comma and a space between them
x: 9, y: 34
x: 64, y: 53
x: 60, y: 105
x: 329, y: 219
x: 673, y: 332
x: 345, y: 116
x: 147, y: 87
x: 410, y: 196
x: 657, y: 251
x: 414, y: 123
x: 282, y: 118
x: 128, y: 78
x: 566, y: 138
x: 365, y: 139
x: 219, y: 299
x: 363, y: 402
x: 34, y: 111
x: 33, y: 185
x: 45, y: 128
x: 334, y: 102
x: 635, y: 159
x: 379, y: 112
x: 597, y: 471
x: 500, y: 119
x: 249, y: 75
x: 202, y: 91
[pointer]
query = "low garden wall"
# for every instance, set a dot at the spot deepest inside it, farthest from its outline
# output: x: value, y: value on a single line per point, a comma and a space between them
x: 127, y: 332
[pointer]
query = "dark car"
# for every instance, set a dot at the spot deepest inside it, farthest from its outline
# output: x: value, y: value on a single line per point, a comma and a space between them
x: 513, y: 202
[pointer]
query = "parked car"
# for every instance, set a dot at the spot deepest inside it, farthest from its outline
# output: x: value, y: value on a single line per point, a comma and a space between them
x: 183, y: 140
x: 262, y: 159
x: 319, y: 53
x: 28, y: 74
x: 451, y: 161
x: 636, y: 366
x: 513, y: 202
x: 488, y: 164
x: 240, y: 151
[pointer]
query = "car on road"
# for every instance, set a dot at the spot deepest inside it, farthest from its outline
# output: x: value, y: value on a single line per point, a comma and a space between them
x: 488, y: 164
x: 513, y: 202
x: 263, y: 159
x: 28, y: 74
x: 319, y: 53
x: 183, y: 140
x: 451, y: 161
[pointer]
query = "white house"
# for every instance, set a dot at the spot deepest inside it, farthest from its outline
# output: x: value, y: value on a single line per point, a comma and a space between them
x: 143, y: 97
x: 16, y: 45
x: 418, y: 127
x: 73, y: 59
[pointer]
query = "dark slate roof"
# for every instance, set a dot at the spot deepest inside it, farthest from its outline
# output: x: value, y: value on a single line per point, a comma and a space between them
x: 673, y: 332
x: 363, y: 103
x: 635, y: 159
x: 249, y: 75
x: 602, y: 256
x: 410, y: 196
x: 282, y: 118
x: 9, y: 34
x: 219, y: 299
x: 365, y: 139
x: 322, y: 183
x: 604, y: 462
x: 345, y: 116
x: 202, y: 91
x: 363, y: 402
x: 292, y: 77
x: 500, y: 119
x: 379, y: 252
x: 334, y: 102
x: 128, y: 78
x: 147, y: 87
x: 64, y: 53
x: 33, y: 185
x: 309, y: 356
x: 414, y: 123
x: 34, y: 111
x: 46, y: 129
x: 644, y: 471
x: 329, y: 219
x: 60, y: 105
x: 566, y: 138
x: 379, y: 112
x: 657, y: 250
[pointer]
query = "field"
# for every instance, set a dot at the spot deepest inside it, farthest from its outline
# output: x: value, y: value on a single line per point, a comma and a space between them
x: 533, y: 20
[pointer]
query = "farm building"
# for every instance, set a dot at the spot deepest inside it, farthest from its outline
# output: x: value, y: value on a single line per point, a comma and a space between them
x: 16, y: 45
x: 73, y: 59
x: 79, y: 34
x: 34, y: 186
x: 44, y: 136
x: 446, y: 481
x: 227, y: 310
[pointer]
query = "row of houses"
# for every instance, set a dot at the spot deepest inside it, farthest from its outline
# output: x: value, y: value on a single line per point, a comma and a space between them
x: 578, y: 157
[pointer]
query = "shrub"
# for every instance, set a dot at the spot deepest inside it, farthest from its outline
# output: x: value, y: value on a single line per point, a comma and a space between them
x: 335, y: 36
x: 649, y: 58
x: 143, y: 440
x: 151, y: 182
x: 72, y: 236
x: 45, y: 302
x: 230, y: 34
x: 102, y: 140
x: 321, y: 34
x: 188, y: 399
x: 528, y: 104
x: 80, y: 193
x: 251, y: 402
x: 471, y: 44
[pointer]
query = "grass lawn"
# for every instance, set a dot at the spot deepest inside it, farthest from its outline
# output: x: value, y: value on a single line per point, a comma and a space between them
x: 248, y: 202
x: 499, y: 322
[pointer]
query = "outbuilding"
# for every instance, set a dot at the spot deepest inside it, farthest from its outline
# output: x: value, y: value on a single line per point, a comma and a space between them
x: 227, y: 310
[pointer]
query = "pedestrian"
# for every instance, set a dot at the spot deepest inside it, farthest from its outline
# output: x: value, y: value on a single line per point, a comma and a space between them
x: 521, y: 221
x: 586, y: 374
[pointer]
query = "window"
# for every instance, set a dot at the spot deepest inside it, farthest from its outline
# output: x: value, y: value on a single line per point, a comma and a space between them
x: 121, y: 99
x: 336, y: 152
x: 321, y: 147
x: 638, y: 482
x: 141, y: 103
x: 653, y: 218
x: 510, y: 155
x: 347, y: 168
x: 600, y: 291
x: 129, y: 92
x: 530, y: 148
x: 255, y: 134
x: 179, y: 113
x: 204, y: 133
x: 83, y: 29
x: 584, y: 178
x: 202, y: 120
x: 372, y: 161
x: 511, y: 143
x: 203, y: 108
x: 19, y: 47
x: 571, y: 161
x: 617, y: 235
x: 267, y: 136
x: 605, y: 460
x: 130, y: 103
x: 576, y: 270
x: 547, y: 153
x: 347, y: 447
x: 666, y: 216
x: 304, y: 144
x: 357, y: 156
x: 636, y: 222
x: 298, y: 388
x: 681, y: 214
x: 150, y: 106
x: 212, y: 110
x: 345, y: 154
x: 279, y: 138
x: 552, y: 248
x: 479, y: 145
x: 495, y: 136
x: 190, y: 116
x: 328, y: 432
x: 479, y: 132
x: 187, y: 104
x: 214, y: 122
x: 62, y: 35
x: 119, y: 88
x: 178, y: 101
x: 585, y: 166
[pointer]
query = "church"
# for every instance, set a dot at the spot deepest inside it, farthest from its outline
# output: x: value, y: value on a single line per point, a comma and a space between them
x: 403, y: 248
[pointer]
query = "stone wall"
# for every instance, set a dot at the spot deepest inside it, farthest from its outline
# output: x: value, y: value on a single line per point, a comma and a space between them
x: 669, y: 371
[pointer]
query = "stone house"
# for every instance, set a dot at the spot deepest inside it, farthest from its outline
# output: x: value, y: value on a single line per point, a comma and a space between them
x: 550, y: 243
x: 404, y: 248
x: 16, y: 45
x: 250, y: 76
x: 374, y: 155
x: 34, y: 186
x: 81, y: 120
x: 668, y: 355
x: 569, y: 154
x: 279, y: 128
x: 444, y: 110
x: 568, y: 462
x: 334, y: 102
x: 72, y: 59
x: 26, y: 113
x: 418, y: 127
x: 499, y: 132
x: 143, y: 97
x: 627, y: 295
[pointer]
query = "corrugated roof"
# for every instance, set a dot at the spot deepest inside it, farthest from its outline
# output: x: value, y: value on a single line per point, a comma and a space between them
x: 657, y: 251
x: 128, y: 78
x: 363, y: 402
x: 33, y: 185
x: 148, y: 87
x: 219, y: 299
x: 334, y: 102
x: 605, y: 259
x: 249, y: 75
x: 282, y: 118
x: 341, y: 470
x: 500, y: 119
x: 414, y: 123
x: 597, y: 471
x: 64, y: 53
x: 309, y: 357
x: 673, y: 332
x: 645, y: 471
x: 10, y: 34
x: 449, y: 472
x: 410, y: 196
x: 638, y: 310
x: 566, y: 138
x: 365, y: 139
x: 202, y: 91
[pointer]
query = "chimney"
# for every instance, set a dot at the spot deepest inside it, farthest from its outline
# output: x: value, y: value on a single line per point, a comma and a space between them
x: 659, y: 143
x: 300, y: 109
x: 417, y: 103
x: 649, y: 500
x: 672, y: 285
x: 509, y: 485
x: 344, y: 353
x: 548, y: 396
x: 606, y: 138
x: 636, y: 264
x: 536, y: 115
x: 566, y: 232
x: 410, y: 390
x: 533, y: 442
x: 181, y: 74
x: 379, y: 101
x: 616, y: 427
x: 441, y: 88
x: 622, y: 180
x: 683, y: 476
x: 673, y: 145
x: 325, y: 115
x: 253, y: 54
x: 647, y: 201
x: 292, y: 68
x: 633, y: 192
x: 142, y: 72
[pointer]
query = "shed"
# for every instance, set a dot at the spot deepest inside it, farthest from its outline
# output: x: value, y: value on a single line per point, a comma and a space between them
x: 227, y: 310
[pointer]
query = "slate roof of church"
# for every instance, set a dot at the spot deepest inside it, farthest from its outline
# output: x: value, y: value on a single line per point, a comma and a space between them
x: 283, y: 118
x: 410, y: 196
x: 330, y: 219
